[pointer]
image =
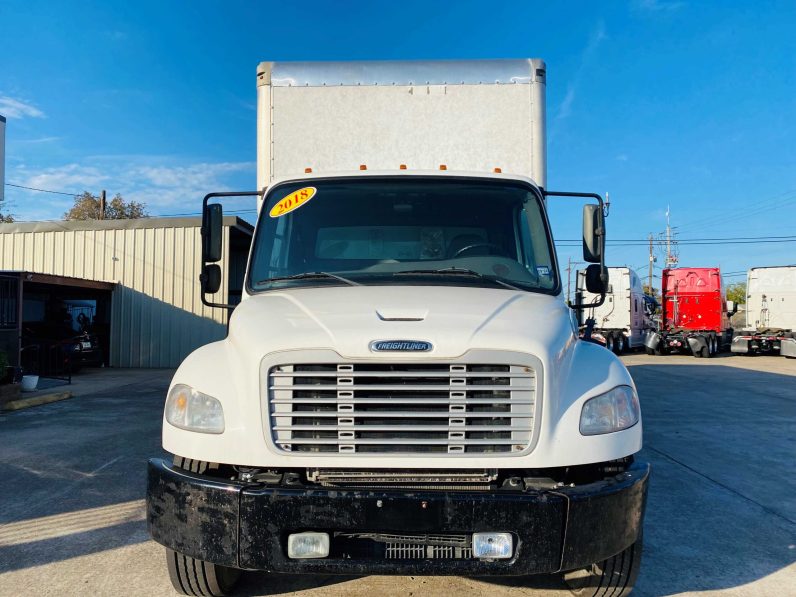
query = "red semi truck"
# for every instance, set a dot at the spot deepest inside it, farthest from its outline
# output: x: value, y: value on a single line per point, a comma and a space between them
x: 695, y: 315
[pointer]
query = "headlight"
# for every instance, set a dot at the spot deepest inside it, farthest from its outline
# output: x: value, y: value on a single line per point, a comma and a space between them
x: 615, y: 410
x: 188, y: 409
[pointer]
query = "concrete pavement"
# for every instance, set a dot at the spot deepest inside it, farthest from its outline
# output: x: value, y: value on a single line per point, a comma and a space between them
x: 721, y: 518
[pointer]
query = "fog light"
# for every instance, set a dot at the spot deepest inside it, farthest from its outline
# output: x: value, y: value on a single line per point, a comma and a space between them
x: 308, y: 545
x: 494, y: 546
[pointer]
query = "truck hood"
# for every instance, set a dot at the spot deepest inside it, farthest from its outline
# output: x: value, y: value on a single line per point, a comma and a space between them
x: 453, y: 319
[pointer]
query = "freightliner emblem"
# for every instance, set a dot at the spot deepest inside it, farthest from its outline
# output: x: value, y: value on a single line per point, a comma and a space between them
x: 400, y: 346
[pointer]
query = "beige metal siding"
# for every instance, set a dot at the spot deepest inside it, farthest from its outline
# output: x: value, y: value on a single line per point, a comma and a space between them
x: 157, y: 314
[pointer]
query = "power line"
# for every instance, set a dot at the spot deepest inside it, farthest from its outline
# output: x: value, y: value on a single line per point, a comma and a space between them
x: 19, y: 186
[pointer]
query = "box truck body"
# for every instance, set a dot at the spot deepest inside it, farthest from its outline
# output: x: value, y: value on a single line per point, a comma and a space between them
x: 770, y: 312
x: 623, y: 319
x: 694, y: 314
x: 402, y: 389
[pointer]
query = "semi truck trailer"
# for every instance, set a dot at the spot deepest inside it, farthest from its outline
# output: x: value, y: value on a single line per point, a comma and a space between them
x: 770, y: 313
x: 623, y: 319
x: 695, y: 314
x: 402, y: 389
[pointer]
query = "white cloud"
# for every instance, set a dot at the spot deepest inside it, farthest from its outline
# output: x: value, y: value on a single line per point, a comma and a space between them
x: 14, y: 108
x: 622, y: 157
x: 71, y: 177
x: 659, y: 5
x: 38, y: 140
x: 596, y: 38
x: 163, y: 188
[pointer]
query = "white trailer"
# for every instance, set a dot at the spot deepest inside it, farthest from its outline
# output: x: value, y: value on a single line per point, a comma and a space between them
x: 623, y: 319
x: 403, y: 389
x: 770, y: 312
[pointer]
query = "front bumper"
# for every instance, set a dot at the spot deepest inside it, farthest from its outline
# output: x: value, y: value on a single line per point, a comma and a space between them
x: 246, y: 526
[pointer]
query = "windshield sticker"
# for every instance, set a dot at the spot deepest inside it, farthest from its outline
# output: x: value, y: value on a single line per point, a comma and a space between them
x: 292, y: 202
x: 543, y: 270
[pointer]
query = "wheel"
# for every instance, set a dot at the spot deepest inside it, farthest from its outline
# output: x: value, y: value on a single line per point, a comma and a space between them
x: 190, y: 576
x: 613, y: 577
x: 712, y: 344
x: 619, y: 343
x: 609, y: 342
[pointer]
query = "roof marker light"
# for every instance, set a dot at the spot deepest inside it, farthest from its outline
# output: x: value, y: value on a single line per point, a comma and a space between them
x: 402, y: 167
x: 307, y: 170
x: 443, y: 167
x: 363, y: 167
x: 498, y: 170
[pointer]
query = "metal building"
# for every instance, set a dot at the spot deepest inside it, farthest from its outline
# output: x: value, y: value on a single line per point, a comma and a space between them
x: 157, y: 316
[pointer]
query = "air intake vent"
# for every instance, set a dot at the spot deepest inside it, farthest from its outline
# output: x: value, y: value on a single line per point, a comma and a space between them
x: 387, y: 408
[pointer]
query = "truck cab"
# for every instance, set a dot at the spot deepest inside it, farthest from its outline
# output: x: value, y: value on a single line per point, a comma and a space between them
x: 402, y: 389
x: 770, y: 313
x: 695, y: 313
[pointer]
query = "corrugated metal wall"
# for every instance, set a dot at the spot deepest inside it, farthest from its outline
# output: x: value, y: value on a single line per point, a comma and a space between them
x: 157, y: 313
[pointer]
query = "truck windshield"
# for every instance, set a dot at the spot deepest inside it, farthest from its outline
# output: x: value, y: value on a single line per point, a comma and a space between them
x: 403, y: 230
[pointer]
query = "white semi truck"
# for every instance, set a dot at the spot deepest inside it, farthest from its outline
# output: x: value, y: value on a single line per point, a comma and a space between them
x: 622, y: 320
x: 770, y: 312
x: 402, y: 389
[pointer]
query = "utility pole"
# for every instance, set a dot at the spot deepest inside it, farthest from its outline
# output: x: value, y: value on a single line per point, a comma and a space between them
x: 671, y: 257
x: 569, y: 278
x: 102, y: 205
x: 652, y: 261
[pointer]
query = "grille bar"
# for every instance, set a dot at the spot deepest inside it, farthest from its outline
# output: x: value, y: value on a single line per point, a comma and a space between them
x: 381, y: 408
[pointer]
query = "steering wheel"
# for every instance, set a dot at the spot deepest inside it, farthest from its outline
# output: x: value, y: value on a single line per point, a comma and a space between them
x: 475, y: 246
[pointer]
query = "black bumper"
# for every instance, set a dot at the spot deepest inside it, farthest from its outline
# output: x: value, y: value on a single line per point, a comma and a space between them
x: 246, y: 526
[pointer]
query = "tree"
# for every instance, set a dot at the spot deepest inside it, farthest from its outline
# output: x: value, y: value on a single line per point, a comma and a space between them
x: 736, y: 292
x: 653, y: 292
x: 5, y: 218
x: 87, y: 207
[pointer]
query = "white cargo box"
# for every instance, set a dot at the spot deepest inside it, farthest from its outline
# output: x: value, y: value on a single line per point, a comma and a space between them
x: 474, y: 115
x: 771, y: 298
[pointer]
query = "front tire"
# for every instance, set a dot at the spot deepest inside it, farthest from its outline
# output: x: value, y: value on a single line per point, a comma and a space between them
x: 613, y: 577
x: 190, y: 576
x: 619, y: 343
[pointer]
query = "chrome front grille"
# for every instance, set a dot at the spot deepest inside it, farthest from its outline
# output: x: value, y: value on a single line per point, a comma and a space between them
x: 382, y: 408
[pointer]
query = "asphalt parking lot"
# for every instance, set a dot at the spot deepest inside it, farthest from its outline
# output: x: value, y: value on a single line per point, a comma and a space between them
x: 721, y: 517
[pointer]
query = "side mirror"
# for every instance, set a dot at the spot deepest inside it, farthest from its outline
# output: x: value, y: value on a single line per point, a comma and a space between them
x: 212, y: 233
x: 210, y: 278
x: 732, y: 308
x: 593, y: 233
x: 596, y: 279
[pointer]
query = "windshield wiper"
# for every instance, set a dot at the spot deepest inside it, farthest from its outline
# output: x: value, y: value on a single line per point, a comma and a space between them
x: 310, y: 276
x: 456, y: 271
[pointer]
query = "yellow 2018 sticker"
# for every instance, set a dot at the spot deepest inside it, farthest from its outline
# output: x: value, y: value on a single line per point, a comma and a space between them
x: 292, y: 201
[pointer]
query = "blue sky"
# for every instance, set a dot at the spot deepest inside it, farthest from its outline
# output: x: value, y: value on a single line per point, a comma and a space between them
x: 661, y: 103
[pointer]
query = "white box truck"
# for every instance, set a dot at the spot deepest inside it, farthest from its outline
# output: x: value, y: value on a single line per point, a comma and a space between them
x: 402, y: 389
x: 770, y: 312
x: 622, y: 320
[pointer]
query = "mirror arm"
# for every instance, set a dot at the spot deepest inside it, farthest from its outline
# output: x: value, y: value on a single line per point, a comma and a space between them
x: 600, y: 233
x: 205, y: 232
x: 582, y: 306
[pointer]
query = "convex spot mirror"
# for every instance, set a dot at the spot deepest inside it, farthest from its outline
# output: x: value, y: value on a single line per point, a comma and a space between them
x: 210, y: 278
x: 593, y: 233
x: 212, y: 233
x: 596, y: 279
